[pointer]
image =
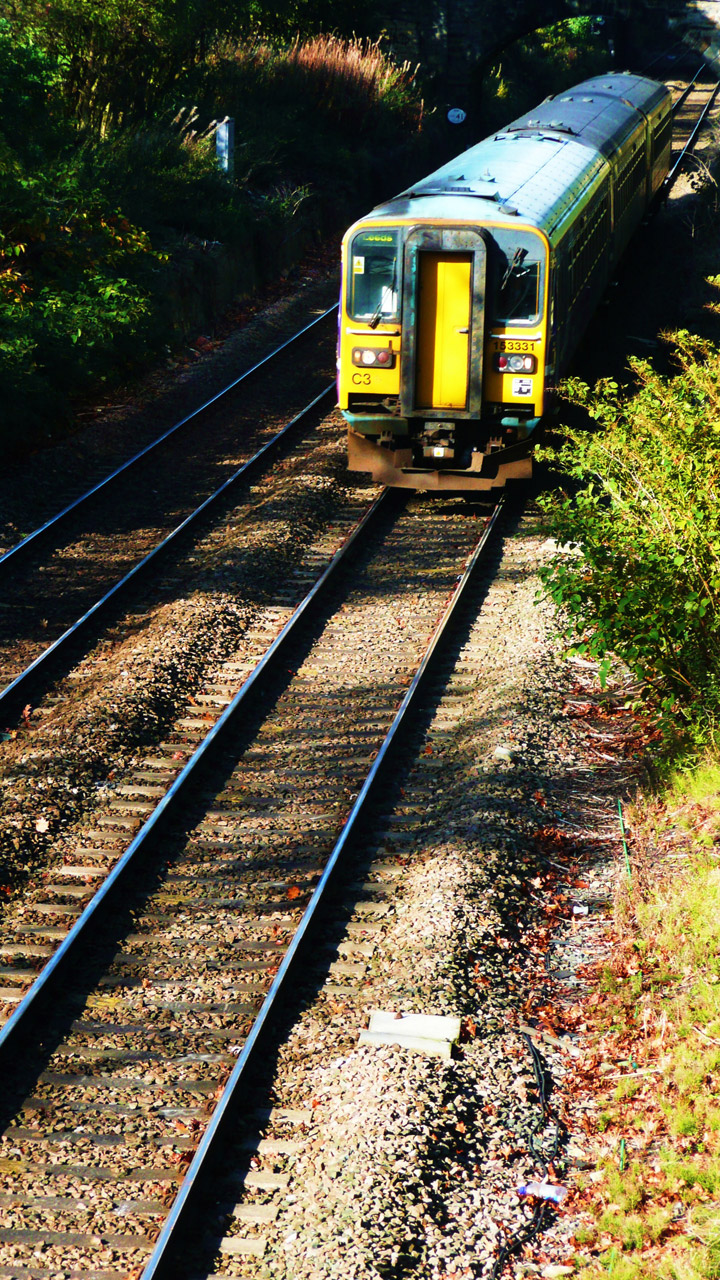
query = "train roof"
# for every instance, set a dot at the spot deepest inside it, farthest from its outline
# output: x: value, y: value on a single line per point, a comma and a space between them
x: 531, y: 177
x: 538, y: 166
x: 600, y: 113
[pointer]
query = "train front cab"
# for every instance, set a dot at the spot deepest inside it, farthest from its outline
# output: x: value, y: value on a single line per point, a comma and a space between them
x: 442, y: 352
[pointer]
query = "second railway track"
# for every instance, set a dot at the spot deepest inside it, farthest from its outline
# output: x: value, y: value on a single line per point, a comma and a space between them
x: 50, y: 582
x: 175, y: 654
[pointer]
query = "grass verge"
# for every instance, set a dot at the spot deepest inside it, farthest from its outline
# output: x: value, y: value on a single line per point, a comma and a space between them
x: 651, y: 1205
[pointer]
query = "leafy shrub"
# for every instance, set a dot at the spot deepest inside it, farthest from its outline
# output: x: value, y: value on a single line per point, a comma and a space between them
x: 30, y: 111
x: 638, y: 515
x: 547, y: 61
x: 75, y: 290
x: 119, y: 56
x: 164, y: 174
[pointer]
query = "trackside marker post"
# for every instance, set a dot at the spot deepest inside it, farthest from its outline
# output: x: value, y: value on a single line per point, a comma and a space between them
x: 225, y: 145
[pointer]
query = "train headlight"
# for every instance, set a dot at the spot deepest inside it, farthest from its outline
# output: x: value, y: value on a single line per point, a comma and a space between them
x: 508, y: 362
x: 373, y: 357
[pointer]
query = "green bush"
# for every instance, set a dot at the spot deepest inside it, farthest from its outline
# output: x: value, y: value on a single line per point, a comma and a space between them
x: 164, y: 176
x: 637, y: 517
x: 119, y: 56
x: 547, y: 61
x: 76, y: 282
x: 31, y: 121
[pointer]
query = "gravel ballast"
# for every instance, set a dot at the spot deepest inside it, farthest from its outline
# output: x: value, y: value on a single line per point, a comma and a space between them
x: 410, y: 1164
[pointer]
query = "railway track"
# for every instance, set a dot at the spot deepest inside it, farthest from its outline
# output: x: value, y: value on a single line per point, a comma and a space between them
x: 53, y: 527
x: 25, y: 685
x: 691, y: 109
x: 167, y: 666
x: 61, y: 579
x: 139, y: 1027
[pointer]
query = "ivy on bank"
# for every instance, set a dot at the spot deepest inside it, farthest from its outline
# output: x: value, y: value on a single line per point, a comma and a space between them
x: 637, y: 522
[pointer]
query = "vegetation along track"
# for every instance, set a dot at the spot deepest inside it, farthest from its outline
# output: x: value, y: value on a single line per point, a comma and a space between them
x: 59, y: 573
x: 125, y: 1055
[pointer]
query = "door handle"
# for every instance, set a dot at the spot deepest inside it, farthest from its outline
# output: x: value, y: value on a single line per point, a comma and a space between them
x: 466, y: 329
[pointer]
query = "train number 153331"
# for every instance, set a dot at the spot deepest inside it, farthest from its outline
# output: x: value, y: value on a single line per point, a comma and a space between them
x: 513, y: 344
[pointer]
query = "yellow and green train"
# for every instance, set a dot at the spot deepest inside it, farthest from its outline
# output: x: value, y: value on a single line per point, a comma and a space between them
x: 464, y: 298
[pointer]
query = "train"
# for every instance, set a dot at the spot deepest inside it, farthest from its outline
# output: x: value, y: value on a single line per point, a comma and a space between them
x: 464, y: 298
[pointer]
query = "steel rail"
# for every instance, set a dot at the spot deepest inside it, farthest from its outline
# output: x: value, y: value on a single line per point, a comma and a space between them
x: 667, y: 184
x: 686, y: 92
x: 46, y: 981
x: 14, y: 554
x: 17, y: 692
x: 161, y: 1265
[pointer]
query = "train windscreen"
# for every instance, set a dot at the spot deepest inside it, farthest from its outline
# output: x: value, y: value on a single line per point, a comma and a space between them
x: 520, y: 271
x: 374, y: 276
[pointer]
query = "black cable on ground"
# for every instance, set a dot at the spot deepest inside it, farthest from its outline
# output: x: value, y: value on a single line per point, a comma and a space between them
x: 515, y: 1242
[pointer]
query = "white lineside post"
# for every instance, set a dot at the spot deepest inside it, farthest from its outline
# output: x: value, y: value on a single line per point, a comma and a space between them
x: 225, y: 145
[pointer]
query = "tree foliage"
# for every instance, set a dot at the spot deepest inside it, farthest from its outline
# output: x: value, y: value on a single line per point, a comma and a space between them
x: 638, y: 521
x: 119, y: 56
x: 100, y: 201
x: 31, y: 124
x: 547, y: 61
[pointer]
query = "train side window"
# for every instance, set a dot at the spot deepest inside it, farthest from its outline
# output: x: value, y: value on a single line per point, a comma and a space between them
x: 661, y: 137
x: 588, y: 249
x: 374, y: 276
x: 630, y: 181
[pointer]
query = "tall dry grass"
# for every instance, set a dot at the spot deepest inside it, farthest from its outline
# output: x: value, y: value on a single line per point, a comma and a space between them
x: 352, y: 83
x: 355, y: 74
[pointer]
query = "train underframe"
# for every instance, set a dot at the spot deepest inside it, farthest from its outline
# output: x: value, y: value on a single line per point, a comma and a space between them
x: 463, y: 464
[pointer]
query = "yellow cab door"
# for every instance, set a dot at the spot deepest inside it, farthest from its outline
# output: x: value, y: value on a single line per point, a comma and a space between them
x: 444, y: 275
x: 443, y: 338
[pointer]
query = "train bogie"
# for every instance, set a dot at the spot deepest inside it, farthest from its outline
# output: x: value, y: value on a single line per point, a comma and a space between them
x: 464, y: 298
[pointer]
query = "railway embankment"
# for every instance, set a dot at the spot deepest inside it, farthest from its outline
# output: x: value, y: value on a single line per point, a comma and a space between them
x: 122, y: 237
x: 638, y: 506
x: 486, y: 891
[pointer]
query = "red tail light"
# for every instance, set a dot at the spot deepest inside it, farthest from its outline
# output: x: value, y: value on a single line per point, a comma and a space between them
x: 373, y: 357
x: 509, y: 362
